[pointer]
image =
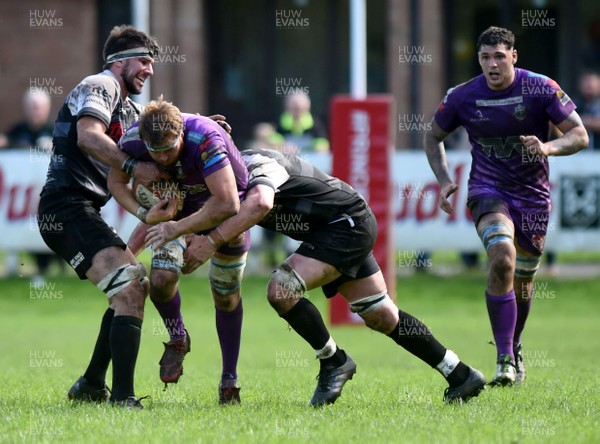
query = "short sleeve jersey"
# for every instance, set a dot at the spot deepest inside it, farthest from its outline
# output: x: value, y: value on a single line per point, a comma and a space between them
x: 207, y: 148
x: 306, y: 198
x: 71, y: 168
x: 494, y: 120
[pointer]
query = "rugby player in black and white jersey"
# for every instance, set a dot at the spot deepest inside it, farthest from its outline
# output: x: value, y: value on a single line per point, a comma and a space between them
x: 337, y: 230
x: 93, y: 118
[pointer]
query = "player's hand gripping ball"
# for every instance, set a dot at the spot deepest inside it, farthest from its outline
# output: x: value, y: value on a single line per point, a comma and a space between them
x: 150, y: 195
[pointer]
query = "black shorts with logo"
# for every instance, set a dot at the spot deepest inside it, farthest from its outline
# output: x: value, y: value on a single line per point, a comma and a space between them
x: 71, y: 225
x: 348, y: 248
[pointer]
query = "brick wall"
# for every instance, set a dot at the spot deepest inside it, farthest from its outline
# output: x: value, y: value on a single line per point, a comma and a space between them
x: 181, y: 70
x: 49, y: 44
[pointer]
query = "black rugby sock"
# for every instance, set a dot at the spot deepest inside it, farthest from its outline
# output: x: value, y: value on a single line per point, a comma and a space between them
x: 415, y: 337
x: 96, y: 371
x: 306, y: 320
x: 125, y: 336
x: 459, y: 375
x: 338, y: 358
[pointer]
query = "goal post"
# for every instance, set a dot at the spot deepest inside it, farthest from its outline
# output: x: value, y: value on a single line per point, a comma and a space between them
x: 362, y: 145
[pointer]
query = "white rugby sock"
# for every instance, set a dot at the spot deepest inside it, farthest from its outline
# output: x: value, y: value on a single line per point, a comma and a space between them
x: 448, y: 364
x: 327, y: 351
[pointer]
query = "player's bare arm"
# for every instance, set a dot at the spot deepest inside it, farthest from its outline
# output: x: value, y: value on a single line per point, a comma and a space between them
x: 436, y: 155
x: 91, y: 139
x: 574, y: 139
x: 118, y: 185
x: 259, y: 201
x: 223, y: 203
x: 136, y: 242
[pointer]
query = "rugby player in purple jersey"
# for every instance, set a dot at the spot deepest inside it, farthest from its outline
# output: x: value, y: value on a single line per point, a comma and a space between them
x: 507, y: 113
x: 211, y: 179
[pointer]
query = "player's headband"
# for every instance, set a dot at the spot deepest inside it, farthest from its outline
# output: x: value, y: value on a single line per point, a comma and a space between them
x: 164, y: 147
x: 132, y: 53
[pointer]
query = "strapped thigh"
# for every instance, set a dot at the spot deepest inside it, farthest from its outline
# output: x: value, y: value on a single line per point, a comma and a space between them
x: 527, y: 266
x: 495, y: 231
x: 225, y: 275
x: 169, y: 256
x: 120, y: 278
x: 369, y: 303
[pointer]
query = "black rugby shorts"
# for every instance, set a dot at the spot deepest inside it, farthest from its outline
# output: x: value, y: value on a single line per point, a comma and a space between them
x: 71, y: 226
x: 349, y: 249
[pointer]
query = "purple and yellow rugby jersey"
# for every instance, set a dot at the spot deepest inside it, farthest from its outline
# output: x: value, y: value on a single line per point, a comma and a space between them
x: 494, y: 120
x: 207, y: 148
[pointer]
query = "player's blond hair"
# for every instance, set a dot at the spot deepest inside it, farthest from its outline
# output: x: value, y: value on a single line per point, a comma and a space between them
x: 160, y: 123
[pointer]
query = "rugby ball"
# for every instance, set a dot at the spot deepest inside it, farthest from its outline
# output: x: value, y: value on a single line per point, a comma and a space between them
x: 149, y: 195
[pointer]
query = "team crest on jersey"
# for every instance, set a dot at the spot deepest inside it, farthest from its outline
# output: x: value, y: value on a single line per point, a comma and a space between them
x: 520, y: 112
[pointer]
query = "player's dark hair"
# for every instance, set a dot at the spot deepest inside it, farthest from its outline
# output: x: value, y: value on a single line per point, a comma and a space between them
x: 496, y: 36
x: 127, y: 37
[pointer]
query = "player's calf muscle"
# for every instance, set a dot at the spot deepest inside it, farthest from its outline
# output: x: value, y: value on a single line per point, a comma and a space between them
x: 163, y: 285
x: 226, y: 302
x: 383, y: 320
x: 129, y: 301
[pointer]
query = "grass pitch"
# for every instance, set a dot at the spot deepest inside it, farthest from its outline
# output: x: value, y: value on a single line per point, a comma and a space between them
x: 48, y: 334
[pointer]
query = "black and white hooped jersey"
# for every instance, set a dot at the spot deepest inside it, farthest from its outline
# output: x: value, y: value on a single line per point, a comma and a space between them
x: 98, y: 96
x: 306, y: 198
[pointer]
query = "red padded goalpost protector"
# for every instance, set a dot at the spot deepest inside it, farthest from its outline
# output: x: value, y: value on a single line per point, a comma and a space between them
x: 362, y: 144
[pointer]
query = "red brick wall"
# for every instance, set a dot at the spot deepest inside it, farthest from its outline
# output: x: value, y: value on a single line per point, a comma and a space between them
x: 180, y: 72
x: 50, y: 44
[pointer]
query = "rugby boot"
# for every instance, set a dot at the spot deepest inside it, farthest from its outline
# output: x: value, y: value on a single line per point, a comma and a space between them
x: 229, y: 392
x: 331, y: 381
x: 130, y: 403
x: 471, y: 388
x: 506, y: 374
x: 171, y: 363
x: 82, y: 390
x: 519, y: 364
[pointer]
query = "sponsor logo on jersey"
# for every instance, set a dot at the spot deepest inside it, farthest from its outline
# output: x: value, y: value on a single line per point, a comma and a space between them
x: 479, y: 117
x: 502, y: 149
x: 77, y: 259
x: 563, y: 97
x: 500, y: 102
